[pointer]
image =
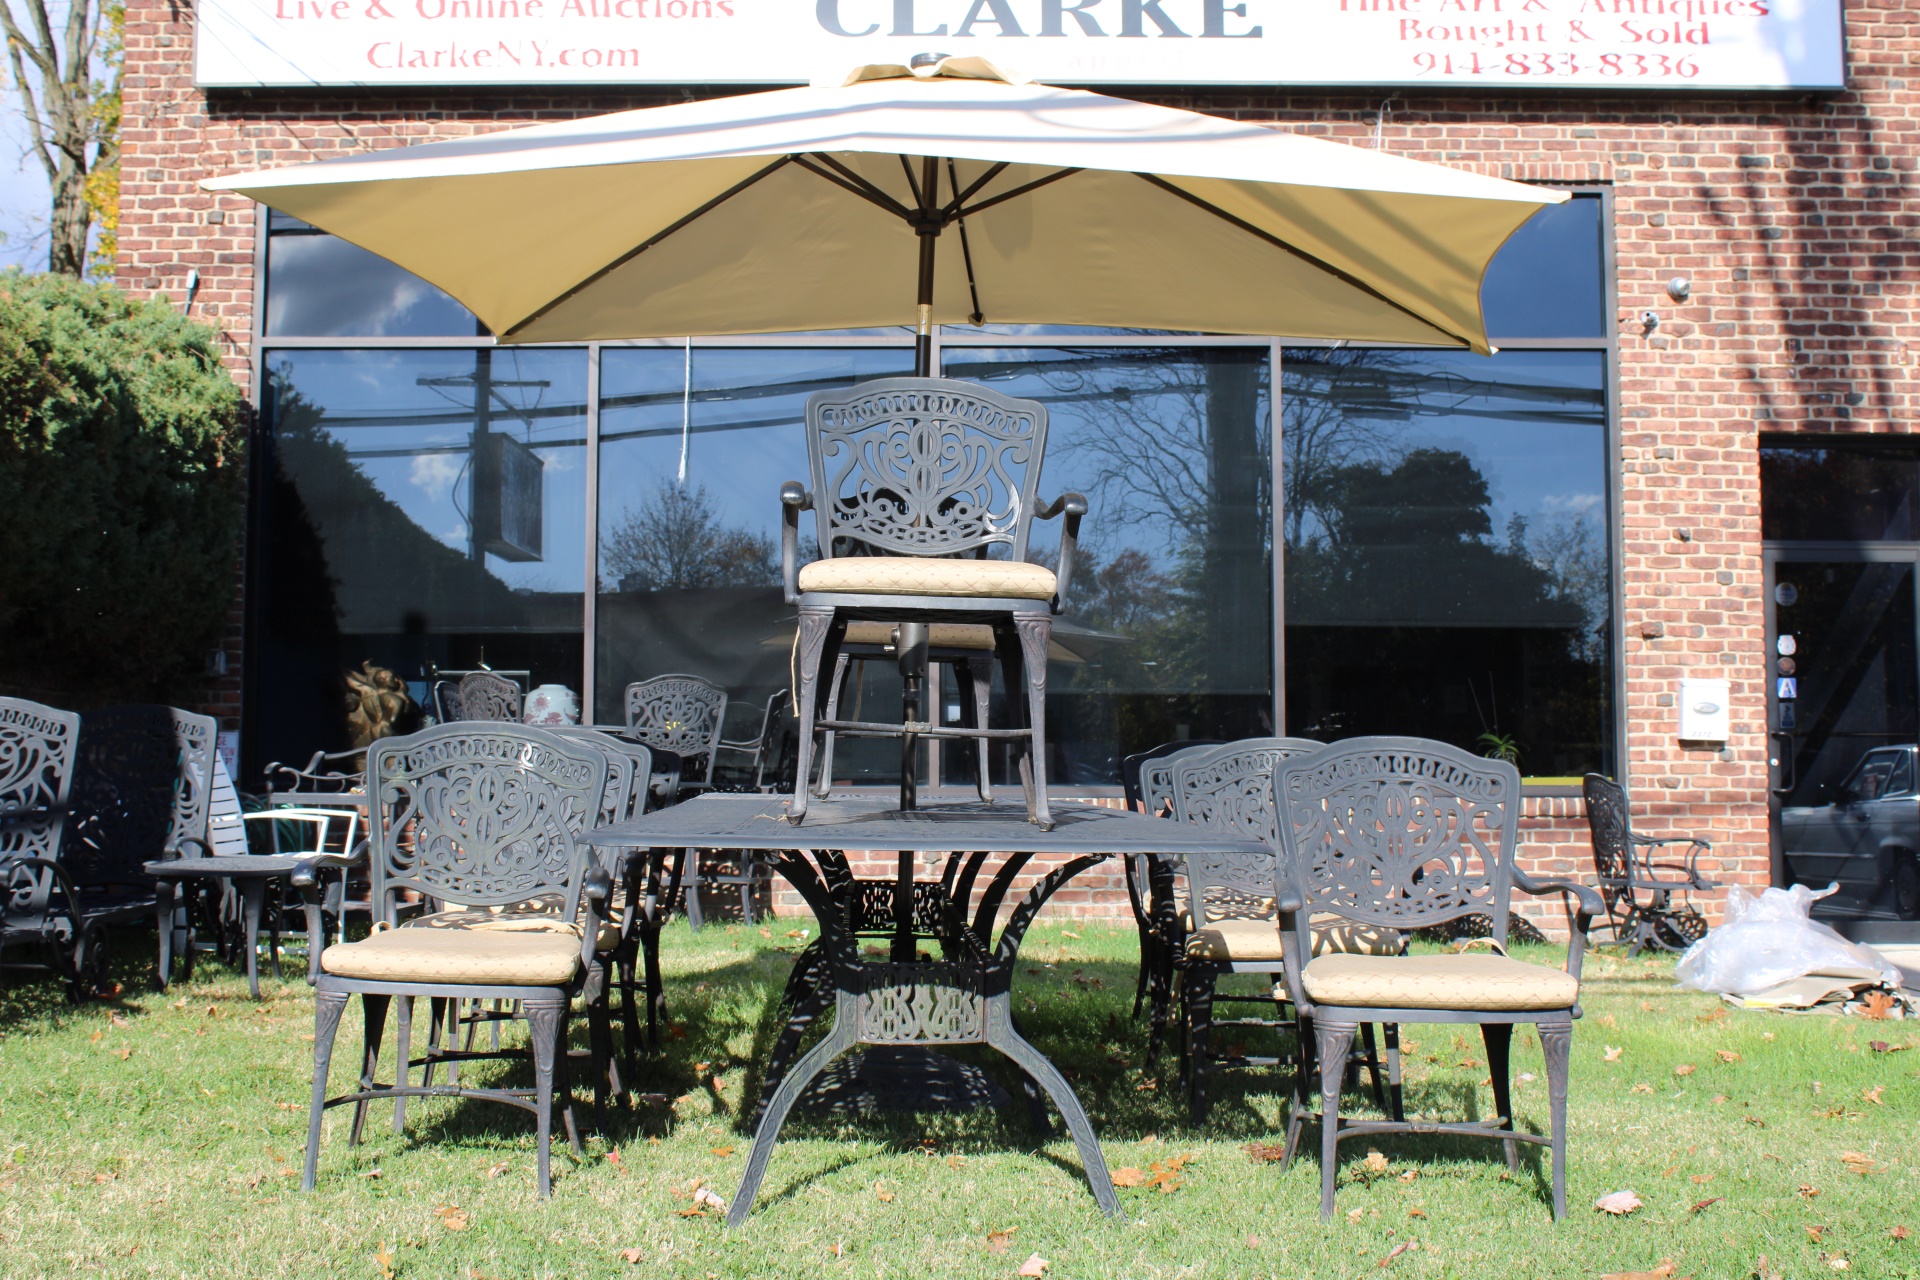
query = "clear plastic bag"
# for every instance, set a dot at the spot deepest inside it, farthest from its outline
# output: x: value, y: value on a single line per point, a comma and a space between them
x: 1766, y: 940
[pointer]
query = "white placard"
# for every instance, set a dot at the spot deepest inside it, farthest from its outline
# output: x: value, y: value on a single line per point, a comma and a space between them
x: 1659, y: 45
x: 1704, y: 713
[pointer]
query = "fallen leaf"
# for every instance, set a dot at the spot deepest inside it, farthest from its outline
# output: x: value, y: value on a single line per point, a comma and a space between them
x: 1685, y: 1069
x: 701, y: 1068
x: 1409, y: 1175
x: 384, y: 1261
x: 1376, y: 1162
x: 1838, y: 1264
x: 613, y: 1158
x: 1877, y: 1006
x: 838, y: 1250
x: 1068, y: 933
x: 495, y: 1170
x: 695, y: 1212
x: 703, y: 1196
x: 677, y: 1031
x: 1762, y: 1270
x: 797, y: 933
x: 1128, y: 1177
x: 886, y: 1197
x: 1873, y: 1095
x: 1035, y: 1265
x: 1397, y: 1250
x: 1354, y: 1215
x: 1661, y: 1271
x: 1253, y: 1241
x: 115, y: 1020
x: 1900, y: 1233
x: 1698, y: 1205
x: 1726, y: 1055
x: 997, y: 1241
x: 1809, y: 1192
x: 1700, y: 1178
x: 124, y: 1054
x: 723, y: 1152
x: 1609, y: 1021
x: 1860, y: 1162
x: 1881, y: 1046
x: 1815, y: 1233
x: 213, y: 1011
x: 766, y: 933
x: 374, y: 1174
x: 1416, y: 1212
x: 1619, y: 1203
x: 1755, y: 1121
x: 634, y: 1257
x: 452, y: 1217
x: 954, y: 1162
x: 1642, y: 1087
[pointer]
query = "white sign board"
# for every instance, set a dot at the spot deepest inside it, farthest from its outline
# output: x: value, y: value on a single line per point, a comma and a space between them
x: 1659, y: 45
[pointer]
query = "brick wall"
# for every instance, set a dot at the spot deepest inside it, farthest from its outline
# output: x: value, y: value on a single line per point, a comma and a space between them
x: 1792, y: 216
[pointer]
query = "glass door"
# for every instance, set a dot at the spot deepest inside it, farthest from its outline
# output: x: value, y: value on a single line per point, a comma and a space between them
x: 1843, y: 717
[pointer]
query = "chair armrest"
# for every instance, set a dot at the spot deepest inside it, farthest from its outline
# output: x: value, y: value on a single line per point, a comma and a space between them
x: 1580, y: 916
x: 794, y: 499
x: 1291, y: 905
x: 597, y: 892
x: 1696, y: 847
x: 1075, y: 507
x: 175, y: 849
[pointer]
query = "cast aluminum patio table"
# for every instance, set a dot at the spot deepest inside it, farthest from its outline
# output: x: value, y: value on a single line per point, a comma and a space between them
x: 250, y: 874
x: 962, y: 998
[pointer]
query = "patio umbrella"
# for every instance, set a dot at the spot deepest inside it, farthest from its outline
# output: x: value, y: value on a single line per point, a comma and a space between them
x: 938, y: 194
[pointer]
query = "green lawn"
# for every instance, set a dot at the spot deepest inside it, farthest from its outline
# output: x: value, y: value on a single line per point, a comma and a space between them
x: 161, y: 1135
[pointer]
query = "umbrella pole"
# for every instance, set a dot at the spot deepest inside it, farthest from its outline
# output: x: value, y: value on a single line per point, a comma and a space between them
x: 927, y: 224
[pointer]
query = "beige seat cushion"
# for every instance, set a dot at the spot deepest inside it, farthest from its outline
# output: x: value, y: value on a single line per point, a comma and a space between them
x: 500, y: 957
x: 1227, y: 941
x: 512, y: 921
x: 927, y: 576
x: 1486, y: 983
x: 940, y: 635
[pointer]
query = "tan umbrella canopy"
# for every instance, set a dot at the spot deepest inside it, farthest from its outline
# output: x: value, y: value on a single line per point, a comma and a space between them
x: 941, y: 194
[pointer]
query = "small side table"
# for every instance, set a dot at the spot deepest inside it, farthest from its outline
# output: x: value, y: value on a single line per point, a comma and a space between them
x: 250, y: 874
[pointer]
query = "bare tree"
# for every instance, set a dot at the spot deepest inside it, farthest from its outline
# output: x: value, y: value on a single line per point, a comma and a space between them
x: 674, y: 539
x: 67, y: 72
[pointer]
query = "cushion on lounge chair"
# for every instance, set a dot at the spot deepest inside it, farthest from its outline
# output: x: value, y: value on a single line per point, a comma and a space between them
x: 516, y: 921
x: 1484, y: 983
x: 1226, y: 941
x: 940, y: 635
x: 533, y: 957
x: 927, y: 576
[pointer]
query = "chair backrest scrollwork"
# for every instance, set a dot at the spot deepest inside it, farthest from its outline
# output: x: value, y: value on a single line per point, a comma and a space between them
x: 679, y: 713
x: 481, y: 815
x: 143, y: 782
x: 1610, y: 827
x: 923, y: 467
x: 1229, y: 789
x: 38, y: 744
x: 489, y: 697
x: 1401, y: 832
x: 446, y: 701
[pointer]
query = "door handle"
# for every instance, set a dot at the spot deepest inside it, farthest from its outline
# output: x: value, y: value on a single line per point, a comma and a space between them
x: 1781, y: 752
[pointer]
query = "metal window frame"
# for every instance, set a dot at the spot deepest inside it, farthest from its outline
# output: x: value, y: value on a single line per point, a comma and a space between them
x: 963, y: 337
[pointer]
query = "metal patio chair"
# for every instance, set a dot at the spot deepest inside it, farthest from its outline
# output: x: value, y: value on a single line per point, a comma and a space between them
x: 41, y: 909
x: 685, y: 715
x: 485, y: 696
x: 1641, y: 904
x: 472, y: 817
x: 968, y: 648
x: 1399, y: 833
x: 1231, y: 924
x: 913, y: 481
x: 1146, y: 782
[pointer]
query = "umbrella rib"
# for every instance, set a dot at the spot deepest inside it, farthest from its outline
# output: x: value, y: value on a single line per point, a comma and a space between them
x: 966, y: 249
x: 1002, y: 198
x: 647, y: 244
x: 1295, y: 250
x: 851, y: 181
x: 961, y: 197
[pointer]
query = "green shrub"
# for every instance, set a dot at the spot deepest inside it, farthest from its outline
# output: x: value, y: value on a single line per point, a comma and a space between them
x: 121, y: 488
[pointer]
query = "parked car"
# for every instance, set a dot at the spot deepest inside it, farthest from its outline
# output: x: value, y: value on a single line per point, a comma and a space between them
x: 1867, y: 836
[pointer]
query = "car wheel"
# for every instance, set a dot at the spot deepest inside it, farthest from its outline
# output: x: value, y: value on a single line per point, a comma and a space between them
x: 1906, y: 887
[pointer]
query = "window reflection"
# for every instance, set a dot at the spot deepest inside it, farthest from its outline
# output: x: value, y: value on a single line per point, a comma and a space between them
x: 1841, y: 494
x: 1168, y: 632
x: 692, y: 456
x: 319, y: 286
x: 424, y: 511
x: 1447, y: 565
x: 1548, y: 280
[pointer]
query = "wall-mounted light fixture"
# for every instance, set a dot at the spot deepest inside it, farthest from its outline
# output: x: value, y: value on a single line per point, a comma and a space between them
x: 1679, y: 288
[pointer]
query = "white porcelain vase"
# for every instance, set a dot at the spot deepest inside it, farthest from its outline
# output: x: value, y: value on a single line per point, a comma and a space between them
x: 552, y: 704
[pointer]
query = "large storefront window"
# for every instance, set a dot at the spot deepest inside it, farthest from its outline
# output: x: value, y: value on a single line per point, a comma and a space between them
x: 1447, y: 571
x: 1443, y: 518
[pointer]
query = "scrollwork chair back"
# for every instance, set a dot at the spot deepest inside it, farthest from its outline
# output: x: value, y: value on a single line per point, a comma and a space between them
x: 489, y: 697
x: 1608, y: 819
x: 1229, y: 789
x: 682, y: 714
x: 37, y: 749
x: 133, y: 792
x: 911, y: 466
x: 1401, y: 832
x: 477, y: 815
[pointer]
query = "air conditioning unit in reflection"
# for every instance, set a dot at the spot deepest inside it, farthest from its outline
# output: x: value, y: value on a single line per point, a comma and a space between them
x: 509, y: 486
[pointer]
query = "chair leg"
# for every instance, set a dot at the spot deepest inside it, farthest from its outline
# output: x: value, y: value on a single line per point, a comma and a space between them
x: 436, y: 1026
x: 842, y: 665
x: 977, y: 677
x: 328, y: 1006
x: 1036, y: 629
x: 815, y: 623
x: 163, y: 909
x: 1556, y: 1044
x: 600, y: 1042
x: 375, y: 1009
x: 1200, y: 980
x: 1335, y: 1043
x: 691, y: 887
x: 403, y: 1069
x: 1395, y: 1094
x: 1297, y: 1112
x: 1371, y: 1057
x: 1498, y: 1037
x: 544, y: 1028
